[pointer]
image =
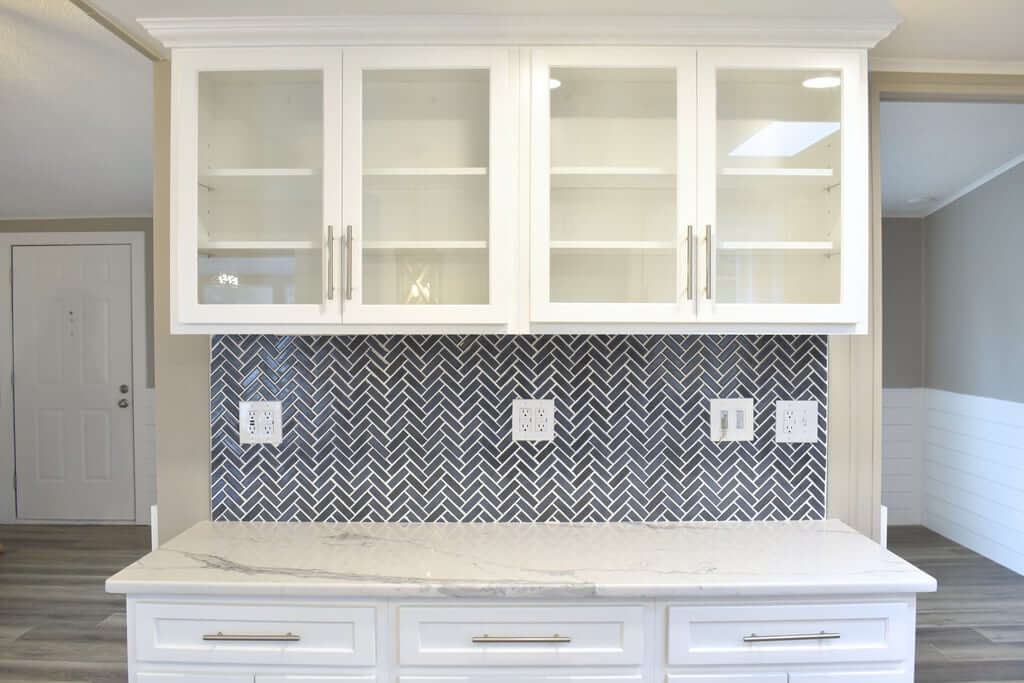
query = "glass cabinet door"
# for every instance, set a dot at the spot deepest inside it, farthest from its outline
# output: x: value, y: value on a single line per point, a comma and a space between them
x: 775, y: 156
x: 254, y: 164
x: 613, y: 193
x: 428, y: 185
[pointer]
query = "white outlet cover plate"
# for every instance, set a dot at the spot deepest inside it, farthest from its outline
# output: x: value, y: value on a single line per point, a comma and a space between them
x: 796, y: 421
x: 734, y: 431
x: 533, y: 419
x: 259, y: 422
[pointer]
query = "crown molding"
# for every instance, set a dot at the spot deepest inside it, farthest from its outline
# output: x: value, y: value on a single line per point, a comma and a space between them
x: 479, y: 29
x: 946, y: 66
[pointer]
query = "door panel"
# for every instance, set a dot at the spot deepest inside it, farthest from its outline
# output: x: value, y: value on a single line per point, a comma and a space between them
x: 429, y: 185
x: 614, y: 188
x: 72, y: 351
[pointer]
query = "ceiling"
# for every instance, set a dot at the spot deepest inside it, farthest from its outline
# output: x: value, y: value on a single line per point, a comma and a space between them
x: 75, y: 128
x: 76, y: 116
x: 932, y: 151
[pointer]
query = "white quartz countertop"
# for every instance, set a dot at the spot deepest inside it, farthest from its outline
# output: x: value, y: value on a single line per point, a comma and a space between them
x: 614, y: 560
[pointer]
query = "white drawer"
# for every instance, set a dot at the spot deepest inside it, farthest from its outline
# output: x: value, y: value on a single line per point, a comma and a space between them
x: 301, y: 634
x: 524, y: 678
x: 521, y: 636
x: 191, y: 677
x: 891, y: 676
x: 769, y: 677
x: 875, y: 632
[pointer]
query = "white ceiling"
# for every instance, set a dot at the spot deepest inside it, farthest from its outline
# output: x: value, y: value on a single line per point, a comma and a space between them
x: 75, y: 102
x: 933, y: 151
x: 76, y: 116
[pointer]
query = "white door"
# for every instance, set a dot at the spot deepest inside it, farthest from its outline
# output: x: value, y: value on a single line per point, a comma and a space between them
x: 614, y: 191
x: 72, y: 382
x: 429, y: 185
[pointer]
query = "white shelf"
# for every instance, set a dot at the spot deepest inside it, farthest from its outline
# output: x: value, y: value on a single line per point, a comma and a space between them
x: 425, y: 244
x: 611, y: 170
x: 426, y: 171
x: 598, y: 177
x: 254, y: 245
x: 258, y: 172
x: 774, y: 246
x: 776, y: 172
x: 613, y: 245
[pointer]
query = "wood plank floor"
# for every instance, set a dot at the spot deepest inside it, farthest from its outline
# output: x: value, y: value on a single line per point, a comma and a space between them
x: 972, y: 629
x: 57, y: 624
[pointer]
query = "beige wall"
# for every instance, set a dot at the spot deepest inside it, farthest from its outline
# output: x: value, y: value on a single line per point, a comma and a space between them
x: 182, y: 361
x: 142, y: 224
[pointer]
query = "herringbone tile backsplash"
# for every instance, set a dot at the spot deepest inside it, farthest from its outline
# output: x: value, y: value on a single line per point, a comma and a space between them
x: 418, y: 428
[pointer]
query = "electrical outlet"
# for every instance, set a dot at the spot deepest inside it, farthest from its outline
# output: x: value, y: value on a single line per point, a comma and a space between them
x: 796, y: 421
x: 259, y: 422
x: 731, y: 419
x: 533, y: 420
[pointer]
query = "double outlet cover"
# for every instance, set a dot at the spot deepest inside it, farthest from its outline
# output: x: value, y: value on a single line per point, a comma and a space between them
x: 533, y: 419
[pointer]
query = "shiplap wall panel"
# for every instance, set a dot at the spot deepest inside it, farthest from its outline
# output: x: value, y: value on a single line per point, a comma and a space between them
x: 973, y: 478
x: 902, y: 425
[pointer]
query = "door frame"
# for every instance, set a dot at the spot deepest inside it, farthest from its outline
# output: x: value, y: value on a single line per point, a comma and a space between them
x: 135, y: 240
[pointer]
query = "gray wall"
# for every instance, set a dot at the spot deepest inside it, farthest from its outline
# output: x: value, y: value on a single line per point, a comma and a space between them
x: 144, y: 225
x: 974, y: 291
x: 903, y: 319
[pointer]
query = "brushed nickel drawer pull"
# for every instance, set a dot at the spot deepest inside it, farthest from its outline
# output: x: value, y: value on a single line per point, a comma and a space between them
x: 522, y: 639
x: 254, y: 637
x: 754, y: 638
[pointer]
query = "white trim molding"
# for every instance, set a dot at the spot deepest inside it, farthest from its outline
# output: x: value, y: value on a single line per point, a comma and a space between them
x: 142, y: 423
x: 975, y: 184
x: 491, y: 29
x: 946, y: 66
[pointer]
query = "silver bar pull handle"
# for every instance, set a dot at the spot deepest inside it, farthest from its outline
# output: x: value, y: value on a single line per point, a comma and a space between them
x: 754, y: 638
x: 707, y: 265
x: 689, y: 263
x: 348, y: 256
x: 253, y: 637
x: 522, y: 639
x: 330, y: 263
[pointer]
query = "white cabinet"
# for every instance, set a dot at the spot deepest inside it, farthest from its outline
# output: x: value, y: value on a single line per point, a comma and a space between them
x: 431, y: 188
x: 719, y: 185
x: 255, y: 185
x: 429, y: 177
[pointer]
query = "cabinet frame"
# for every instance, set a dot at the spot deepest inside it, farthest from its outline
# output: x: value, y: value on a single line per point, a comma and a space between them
x: 501, y: 179
x: 855, y: 220
x: 186, y: 66
x: 683, y: 61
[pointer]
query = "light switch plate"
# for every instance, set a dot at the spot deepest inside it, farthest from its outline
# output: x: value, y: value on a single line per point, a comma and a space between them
x: 533, y: 419
x: 796, y: 421
x: 259, y: 422
x: 731, y: 419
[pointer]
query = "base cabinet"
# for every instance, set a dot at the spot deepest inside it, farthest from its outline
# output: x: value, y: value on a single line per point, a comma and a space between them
x: 177, y: 639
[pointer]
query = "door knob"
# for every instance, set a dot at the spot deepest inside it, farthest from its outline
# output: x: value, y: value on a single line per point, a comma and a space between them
x: 124, y: 388
x: 123, y: 403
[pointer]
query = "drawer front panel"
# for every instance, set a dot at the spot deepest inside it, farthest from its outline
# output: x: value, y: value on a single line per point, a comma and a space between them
x: 192, y: 677
x: 893, y: 676
x: 521, y: 636
x: 788, y: 634
x: 776, y: 677
x: 525, y: 678
x: 310, y: 635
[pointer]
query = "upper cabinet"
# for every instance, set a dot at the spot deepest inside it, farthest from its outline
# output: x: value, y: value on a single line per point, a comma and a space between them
x: 428, y: 191
x: 256, y: 185
x: 495, y: 189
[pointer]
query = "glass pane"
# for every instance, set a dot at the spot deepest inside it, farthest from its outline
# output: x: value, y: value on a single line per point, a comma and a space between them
x: 260, y: 187
x: 779, y: 164
x: 613, y: 185
x: 426, y: 200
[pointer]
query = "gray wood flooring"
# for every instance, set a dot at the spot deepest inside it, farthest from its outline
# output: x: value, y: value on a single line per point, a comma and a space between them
x: 972, y: 629
x: 57, y: 623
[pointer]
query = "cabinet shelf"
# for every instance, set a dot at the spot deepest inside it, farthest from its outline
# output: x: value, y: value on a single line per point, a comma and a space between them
x: 426, y: 171
x: 258, y: 172
x: 774, y: 246
x: 598, y: 177
x: 257, y: 245
x: 777, y: 172
x: 424, y: 244
x: 613, y: 245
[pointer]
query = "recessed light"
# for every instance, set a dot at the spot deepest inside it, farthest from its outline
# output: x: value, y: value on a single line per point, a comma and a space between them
x: 915, y: 200
x: 554, y: 83
x: 822, y: 82
x: 785, y: 138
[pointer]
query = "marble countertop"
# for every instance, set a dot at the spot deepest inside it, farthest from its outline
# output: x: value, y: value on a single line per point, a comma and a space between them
x: 617, y: 560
